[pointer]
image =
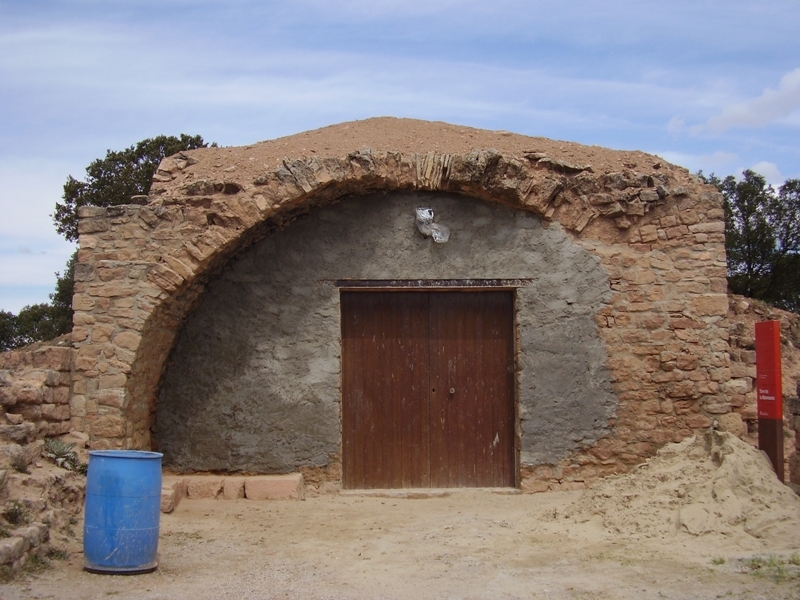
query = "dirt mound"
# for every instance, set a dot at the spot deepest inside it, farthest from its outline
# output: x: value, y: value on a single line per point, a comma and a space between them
x: 711, y: 486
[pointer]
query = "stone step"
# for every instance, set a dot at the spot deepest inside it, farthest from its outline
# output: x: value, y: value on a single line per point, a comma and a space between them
x: 254, y: 487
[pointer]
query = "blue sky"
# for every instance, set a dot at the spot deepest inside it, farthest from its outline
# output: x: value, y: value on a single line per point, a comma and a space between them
x: 709, y: 85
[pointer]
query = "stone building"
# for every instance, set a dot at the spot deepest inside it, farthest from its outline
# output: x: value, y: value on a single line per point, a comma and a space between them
x: 279, y: 308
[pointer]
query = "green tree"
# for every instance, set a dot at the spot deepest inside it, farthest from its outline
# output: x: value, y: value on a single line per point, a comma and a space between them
x: 61, y: 298
x: 8, y: 331
x: 762, y: 238
x: 44, y: 321
x: 785, y: 279
x: 35, y: 322
x: 114, y: 179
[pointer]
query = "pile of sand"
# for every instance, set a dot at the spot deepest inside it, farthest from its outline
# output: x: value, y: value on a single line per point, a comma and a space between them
x: 711, y: 486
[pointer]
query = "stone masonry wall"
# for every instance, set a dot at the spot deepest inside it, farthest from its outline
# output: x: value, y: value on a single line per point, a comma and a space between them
x: 35, y: 392
x: 657, y: 232
x: 742, y: 316
x: 667, y: 339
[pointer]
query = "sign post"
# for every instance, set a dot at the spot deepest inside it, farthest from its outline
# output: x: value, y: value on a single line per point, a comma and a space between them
x: 769, y: 393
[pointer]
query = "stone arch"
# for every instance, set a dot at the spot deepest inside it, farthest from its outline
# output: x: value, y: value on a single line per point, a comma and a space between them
x: 142, y: 267
x: 254, y: 378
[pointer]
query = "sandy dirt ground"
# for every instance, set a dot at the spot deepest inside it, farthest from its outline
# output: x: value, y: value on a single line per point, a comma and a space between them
x: 466, y: 545
x: 704, y: 519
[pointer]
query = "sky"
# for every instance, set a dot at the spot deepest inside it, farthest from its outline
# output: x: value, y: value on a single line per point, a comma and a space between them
x: 708, y: 85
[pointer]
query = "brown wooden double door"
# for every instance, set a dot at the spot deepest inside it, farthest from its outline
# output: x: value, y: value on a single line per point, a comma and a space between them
x: 427, y: 389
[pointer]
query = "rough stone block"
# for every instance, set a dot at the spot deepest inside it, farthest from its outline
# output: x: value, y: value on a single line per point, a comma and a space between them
x: 14, y: 419
x: 100, y: 333
x: 534, y: 486
x: 698, y: 421
x: 274, y: 487
x: 794, y: 468
x: 55, y: 412
x: 61, y: 395
x: 29, y: 394
x: 710, y: 305
x: 709, y: 227
x: 34, y: 534
x: 11, y: 549
x: 77, y: 406
x: 88, y: 212
x: 681, y: 389
x: 173, y: 490
x: 233, y: 488
x: 114, y: 398
x: 717, y: 406
x: 128, y: 340
x: 82, y: 302
x: 95, y: 225
x: 53, y: 357
x: 792, y: 404
x: 8, y: 396
x: 108, y: 426
x: 569, y: 486
x: 58, y: 428
x: 203, y: 487
x: 22, y: 433
x: 30, y: 412
x: 732, y: 423
x: 329, y: 487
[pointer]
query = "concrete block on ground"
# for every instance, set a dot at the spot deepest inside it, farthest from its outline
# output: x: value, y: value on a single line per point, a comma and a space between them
x: 233, y: 488
x: 173, y: 490
x: 200, y: 487
x: 274, y: 487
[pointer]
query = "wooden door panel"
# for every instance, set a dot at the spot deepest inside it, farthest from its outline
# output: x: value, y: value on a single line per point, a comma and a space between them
x: 472, y: 376
x: 385, y: 419
x: 402, y: 353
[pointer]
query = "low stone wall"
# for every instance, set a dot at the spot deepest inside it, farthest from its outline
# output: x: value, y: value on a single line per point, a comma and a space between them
x: 35, y: 391
x: 38, y: 511
x: 742, y: 316
x: 22, y: 543
x: 34, y: 404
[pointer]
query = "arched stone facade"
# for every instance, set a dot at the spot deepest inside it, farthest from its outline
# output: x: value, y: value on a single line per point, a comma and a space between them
x: 654, y: 231
x: 253, y: 383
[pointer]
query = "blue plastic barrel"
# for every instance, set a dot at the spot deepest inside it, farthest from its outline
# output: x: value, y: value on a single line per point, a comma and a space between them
x: 123, y: 506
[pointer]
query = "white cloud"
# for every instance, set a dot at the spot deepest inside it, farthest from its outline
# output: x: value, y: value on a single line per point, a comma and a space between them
x: 30, y: 249
x: 770, y: 172
x: 770, y: 106
x: 719, y: 162
x: 33, y: 268
x: 28, y: 196
x: 676, y: 125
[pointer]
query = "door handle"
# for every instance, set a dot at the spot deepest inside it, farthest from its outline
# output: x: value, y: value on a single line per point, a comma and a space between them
x: 452, y: 391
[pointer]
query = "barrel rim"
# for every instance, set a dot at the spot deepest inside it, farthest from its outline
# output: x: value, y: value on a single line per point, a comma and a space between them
x: 137, y: 454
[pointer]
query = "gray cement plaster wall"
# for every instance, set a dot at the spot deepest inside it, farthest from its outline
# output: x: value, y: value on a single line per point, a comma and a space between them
x: 253, y: 381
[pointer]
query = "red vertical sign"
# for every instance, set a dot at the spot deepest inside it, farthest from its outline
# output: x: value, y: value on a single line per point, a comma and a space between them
x: 768, y: 389
x: 768, y: 370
